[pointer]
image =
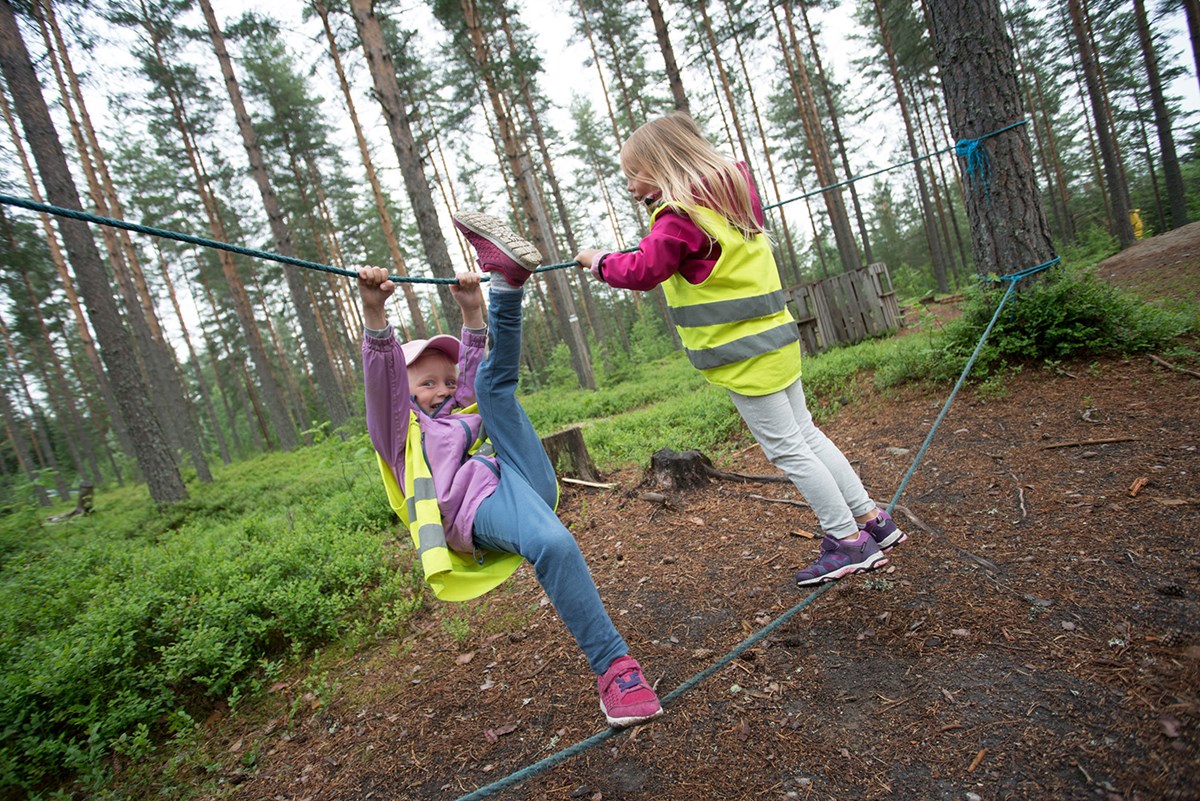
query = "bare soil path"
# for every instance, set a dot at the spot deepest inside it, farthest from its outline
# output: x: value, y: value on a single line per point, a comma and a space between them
x: 1036, y: 638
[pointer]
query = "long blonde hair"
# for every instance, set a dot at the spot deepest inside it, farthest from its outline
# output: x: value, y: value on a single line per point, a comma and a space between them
x: 671, y: 153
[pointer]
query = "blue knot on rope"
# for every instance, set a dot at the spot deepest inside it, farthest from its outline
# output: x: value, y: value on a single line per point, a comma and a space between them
x: 979, y: 166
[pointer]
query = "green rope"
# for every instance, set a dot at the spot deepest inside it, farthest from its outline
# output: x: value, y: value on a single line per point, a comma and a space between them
x: 210, y: 243
x: 84, y: 216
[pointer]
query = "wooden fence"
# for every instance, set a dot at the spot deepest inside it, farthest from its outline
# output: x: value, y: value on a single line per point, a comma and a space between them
x: 845, y: 308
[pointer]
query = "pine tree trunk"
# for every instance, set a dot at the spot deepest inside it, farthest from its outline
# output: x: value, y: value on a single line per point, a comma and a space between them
x: 927, y: 216
x: 838, y: 138
x: 285, y: 429
x: 1113, y: 172
x: 20, y: 446
x: 67, y: 283
x: 788, y: 247
x: 385, y: 217
x: 151, y: 451
x: 730, y: 103
x: 839, y: 221
x: 331, y: 396
x: 387, y: 92
x: 1191, y: 9
x: 668, y: 54
x: 1008, y: 228
x: 193, y: 359
x: 37, y: 428
x: 521, y: 168
x: 157, y: 358
x: 1176, y: 194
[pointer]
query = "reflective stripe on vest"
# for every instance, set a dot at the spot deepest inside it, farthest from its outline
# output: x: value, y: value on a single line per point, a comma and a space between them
x: 452, y: 576
x: 735, y: 325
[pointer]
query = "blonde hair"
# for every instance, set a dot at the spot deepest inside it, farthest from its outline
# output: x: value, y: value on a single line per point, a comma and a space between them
x: 673, y: 154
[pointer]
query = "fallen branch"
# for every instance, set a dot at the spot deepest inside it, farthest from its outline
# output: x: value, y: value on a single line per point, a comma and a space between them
x: 778, y: 500
x: 583, y: 483
x: 715, y: 473
x: 986, y: 564
x: 1169, y: 366
x: 1074, y: 443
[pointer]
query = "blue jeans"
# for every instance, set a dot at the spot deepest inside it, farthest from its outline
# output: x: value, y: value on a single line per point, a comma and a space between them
x: 519, y: 516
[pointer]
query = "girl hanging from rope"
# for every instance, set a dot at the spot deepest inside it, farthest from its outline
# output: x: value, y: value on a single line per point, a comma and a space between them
x: 708, y: 249
x: 479, y: 493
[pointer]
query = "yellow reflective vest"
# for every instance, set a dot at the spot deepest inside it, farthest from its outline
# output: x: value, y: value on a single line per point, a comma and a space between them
x: 451, y: 575
x: 735, y: 325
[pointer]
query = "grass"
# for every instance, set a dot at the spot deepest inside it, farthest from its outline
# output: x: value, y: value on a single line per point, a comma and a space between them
x: 120, y: 630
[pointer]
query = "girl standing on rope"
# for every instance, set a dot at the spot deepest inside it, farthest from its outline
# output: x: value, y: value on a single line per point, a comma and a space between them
x: 479, y: 493
x: 708, y: 249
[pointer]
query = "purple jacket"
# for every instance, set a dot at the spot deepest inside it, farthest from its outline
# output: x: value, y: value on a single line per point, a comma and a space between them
x: 461, y: 485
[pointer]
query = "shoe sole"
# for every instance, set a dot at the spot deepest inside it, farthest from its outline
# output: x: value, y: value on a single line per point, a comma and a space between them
x: 892, y: 540
x: 633, y: 720
x: 519, y: 250
x: 877, y: 560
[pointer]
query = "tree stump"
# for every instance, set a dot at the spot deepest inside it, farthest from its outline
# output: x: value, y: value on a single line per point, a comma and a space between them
x: 676, y: 471
x: 569, y: 454
x: 82, y: 507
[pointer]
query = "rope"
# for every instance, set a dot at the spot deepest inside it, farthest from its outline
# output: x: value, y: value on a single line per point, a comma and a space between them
x: 962, y: 147
x: 530, y: 771
x: 1012, y: 279
x: 976, y: 156
x: 971, y: 149
x: 534, y: 769
x: 75, y: 214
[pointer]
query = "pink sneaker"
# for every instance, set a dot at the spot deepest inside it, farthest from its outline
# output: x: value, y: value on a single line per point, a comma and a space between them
x: 624, y: 695
x: 497, y: 247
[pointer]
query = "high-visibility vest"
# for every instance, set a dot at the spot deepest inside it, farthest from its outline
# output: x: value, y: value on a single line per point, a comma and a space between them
x: 735, y: 325
x: 451, y: 575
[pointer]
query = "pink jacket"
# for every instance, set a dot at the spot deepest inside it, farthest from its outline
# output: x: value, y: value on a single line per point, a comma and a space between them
x: 675, y: 244
x: 461, y: 483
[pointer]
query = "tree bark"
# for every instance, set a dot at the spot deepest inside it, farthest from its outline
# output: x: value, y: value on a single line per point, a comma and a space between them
x: 1176, y: 193
x: 385, y: 216
x: 151, y: 451
x: 521, y: 168
x: 839, y: 220
x: 331, y: 395
x: 387, y: 92
x: 1114, y: 173
x: 975, y: 58
x: 668, y: 54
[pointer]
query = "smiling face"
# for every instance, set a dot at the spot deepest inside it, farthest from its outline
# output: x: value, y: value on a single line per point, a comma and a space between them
x: 637, y: 181
x: 432, y: 378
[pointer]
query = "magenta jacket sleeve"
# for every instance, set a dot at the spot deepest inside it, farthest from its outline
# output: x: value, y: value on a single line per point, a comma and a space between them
x: 674, y: 244
x: 385, y: 384
x: 470, y: 356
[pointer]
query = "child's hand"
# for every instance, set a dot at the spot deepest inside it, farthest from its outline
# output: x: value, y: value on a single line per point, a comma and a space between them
x: 469, y: 297
x: 586, y: 256
x: 590, y: 259
x: 374, y: 287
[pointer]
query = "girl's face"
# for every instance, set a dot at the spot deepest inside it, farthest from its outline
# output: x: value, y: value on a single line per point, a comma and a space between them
x: 432, y: 379
x: 640, y: 185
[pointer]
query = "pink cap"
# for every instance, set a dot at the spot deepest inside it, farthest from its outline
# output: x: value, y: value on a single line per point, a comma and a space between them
x: 444, y: 342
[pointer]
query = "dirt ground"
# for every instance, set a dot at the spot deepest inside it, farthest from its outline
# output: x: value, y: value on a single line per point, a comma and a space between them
x: 1035, y: 638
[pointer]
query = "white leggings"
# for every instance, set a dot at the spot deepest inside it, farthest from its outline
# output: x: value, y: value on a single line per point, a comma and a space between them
x: 784, y: 428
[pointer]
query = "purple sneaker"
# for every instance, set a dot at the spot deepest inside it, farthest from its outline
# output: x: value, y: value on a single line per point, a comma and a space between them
x: 497, y: 247
x: 841, y: 558
x: 884, y: 531
x: 625, y: 696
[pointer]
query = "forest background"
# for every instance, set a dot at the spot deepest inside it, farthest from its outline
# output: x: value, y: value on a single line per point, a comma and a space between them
x: 348, y: 133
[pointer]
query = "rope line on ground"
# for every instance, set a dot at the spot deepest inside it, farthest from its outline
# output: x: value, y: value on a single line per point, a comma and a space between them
x: 1012, y: 279
x: 971, y: 149
x: 529, y: 771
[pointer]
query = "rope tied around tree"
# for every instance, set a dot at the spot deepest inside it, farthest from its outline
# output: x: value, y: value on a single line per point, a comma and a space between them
x: 978, y: 163
x: 969, y: 146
